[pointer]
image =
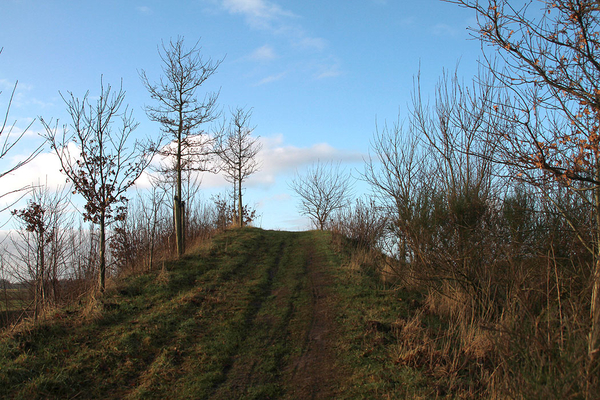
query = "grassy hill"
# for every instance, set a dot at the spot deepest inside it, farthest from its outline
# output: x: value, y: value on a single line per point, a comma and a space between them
x: 252, y: 314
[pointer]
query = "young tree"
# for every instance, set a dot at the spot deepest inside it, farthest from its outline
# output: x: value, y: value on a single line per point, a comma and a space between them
x: 181, y: 114
x: 98, y: 159
x: 41, y: 244
x: 551, y: 65
x: 324, y: 189
x: 237, y: 150
x: 397, y: 170
x: 150, y: 212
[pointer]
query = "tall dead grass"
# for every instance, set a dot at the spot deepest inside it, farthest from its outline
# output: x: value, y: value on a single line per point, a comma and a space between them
x: 512, y: 297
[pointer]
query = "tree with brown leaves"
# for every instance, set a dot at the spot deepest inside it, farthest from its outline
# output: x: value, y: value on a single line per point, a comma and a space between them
x: 550, y: 65
x: 97, y: 157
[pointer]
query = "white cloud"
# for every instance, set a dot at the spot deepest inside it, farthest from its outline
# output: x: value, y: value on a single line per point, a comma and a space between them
x: 42, y: 170
x: 6, y: 85
x: 21, y: 96
x: 311, y: 43
x: 268, y: 16
x: 14, y: 129
x: 144, y: 10
x: 264, y: 53
x: 258, y: 13
x: 328, y: 71
x: 277, y: 159
x: 271, y: 78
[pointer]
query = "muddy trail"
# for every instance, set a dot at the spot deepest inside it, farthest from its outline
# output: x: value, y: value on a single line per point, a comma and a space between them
x: 300, y: 296
x: 253, y: 315
x: 315, y: 372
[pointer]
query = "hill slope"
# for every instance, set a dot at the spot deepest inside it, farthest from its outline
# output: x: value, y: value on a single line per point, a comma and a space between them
x: 257, y: 314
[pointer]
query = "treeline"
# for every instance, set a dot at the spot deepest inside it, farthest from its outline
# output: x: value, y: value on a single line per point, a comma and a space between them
x: 488, y: 198
x: 60, y: 253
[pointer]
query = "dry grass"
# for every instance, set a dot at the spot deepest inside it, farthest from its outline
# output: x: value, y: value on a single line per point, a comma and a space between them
x: 163, y: 276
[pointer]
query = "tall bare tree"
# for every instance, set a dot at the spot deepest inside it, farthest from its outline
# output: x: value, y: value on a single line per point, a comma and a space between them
x: 324, y: 189
x: 182, y: 113
x: 550, y: 63
x: 237, y: 150
x: 100, y: 161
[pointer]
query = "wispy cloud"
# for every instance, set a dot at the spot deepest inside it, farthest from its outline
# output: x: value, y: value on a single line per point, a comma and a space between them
x: 269, y: 16
x: 277, y: 158
x: 22, y: 96
x: 144, y: 10
x: 264, y: 53
x: 311, y: 43
x: 260, y: 14
x: 6, y: 85
x: 271, y: 78
x: 22, y: 127
x: 328, y: 70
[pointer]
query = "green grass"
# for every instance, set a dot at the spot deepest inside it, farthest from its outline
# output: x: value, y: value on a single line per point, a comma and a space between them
x: 14, y: 299
x: 228, y: 321
x: 217, y: 326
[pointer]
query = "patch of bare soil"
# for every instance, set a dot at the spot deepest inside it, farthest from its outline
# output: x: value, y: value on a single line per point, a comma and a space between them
x: 315, y: 374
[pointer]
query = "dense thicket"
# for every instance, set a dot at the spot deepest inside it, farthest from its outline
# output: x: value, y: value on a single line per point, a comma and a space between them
x: 492, y: 198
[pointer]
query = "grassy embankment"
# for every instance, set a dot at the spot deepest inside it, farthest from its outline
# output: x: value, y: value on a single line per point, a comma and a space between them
x: 254, y: 314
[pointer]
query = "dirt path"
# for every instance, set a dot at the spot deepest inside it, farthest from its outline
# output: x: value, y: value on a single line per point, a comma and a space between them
x: 299, y: 282
x: 315, y: 373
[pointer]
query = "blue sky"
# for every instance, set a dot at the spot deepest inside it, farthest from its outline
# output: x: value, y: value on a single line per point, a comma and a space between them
x: 318, y: 74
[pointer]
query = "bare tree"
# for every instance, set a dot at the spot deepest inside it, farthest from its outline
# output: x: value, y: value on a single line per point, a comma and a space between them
x: 395, y: 171
x: 181, y: 114
x: 237, y: 150
x: 324, y: 189
x: 436, y: 191
x: 99, y: 160
x: 41, y: 243
x: 551, y: 66
x: 150, y: 210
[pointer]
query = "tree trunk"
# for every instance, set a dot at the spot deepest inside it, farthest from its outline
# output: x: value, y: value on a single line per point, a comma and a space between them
x: 240, y: 206
x: 595, y: 312
x: 102, y: 274
x: 179, y: 237
x: 152, y: 235
x: 593, y: 350
x: 42, y: 272
x: 39, y: 281
x: 178, y: 226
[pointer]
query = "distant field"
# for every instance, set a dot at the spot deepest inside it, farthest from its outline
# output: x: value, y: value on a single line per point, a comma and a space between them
x: 14, y: 299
